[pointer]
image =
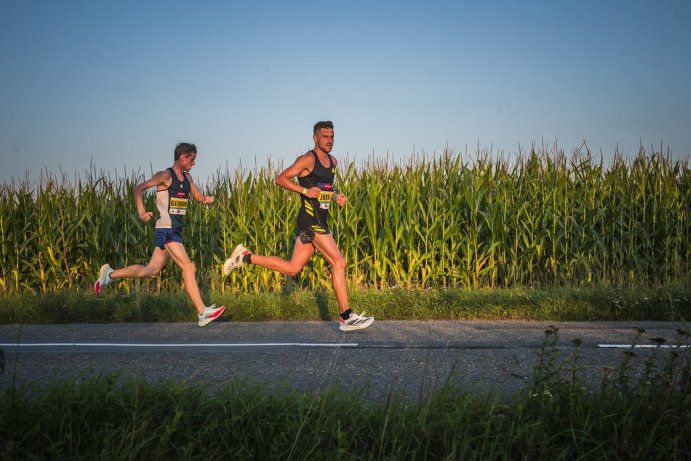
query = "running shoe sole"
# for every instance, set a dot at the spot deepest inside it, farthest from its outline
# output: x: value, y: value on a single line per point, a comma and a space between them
x: 100, y: 282
x: 216, y: 314
x: 235, y: 259
x: 360, y: 324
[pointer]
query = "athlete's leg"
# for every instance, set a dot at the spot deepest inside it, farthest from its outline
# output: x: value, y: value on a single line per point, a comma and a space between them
x: 302, y: 252
x: 182, y: 259
x: 326, y: 245
x: 159, y: 258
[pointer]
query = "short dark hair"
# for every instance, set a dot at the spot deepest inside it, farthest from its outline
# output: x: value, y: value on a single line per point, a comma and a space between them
x: 319, y: 125
x: 184, y: 148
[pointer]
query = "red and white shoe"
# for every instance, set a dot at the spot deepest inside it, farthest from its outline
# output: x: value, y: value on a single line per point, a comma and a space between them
x: 210, y: 314
x: 103, y: 278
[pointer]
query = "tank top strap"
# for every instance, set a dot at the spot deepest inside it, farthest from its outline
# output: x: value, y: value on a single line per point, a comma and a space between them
x: 173, y: 177
x: 317, y: 162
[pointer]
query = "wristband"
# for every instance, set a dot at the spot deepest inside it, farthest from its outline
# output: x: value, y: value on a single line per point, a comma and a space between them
x: 304, y: 191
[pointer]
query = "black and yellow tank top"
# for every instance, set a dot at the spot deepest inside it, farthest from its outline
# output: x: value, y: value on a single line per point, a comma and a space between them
x: 321, y: 177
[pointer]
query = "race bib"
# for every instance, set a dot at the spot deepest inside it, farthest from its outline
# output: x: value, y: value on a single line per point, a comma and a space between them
x: 326, y: 195
x: 178, y: 206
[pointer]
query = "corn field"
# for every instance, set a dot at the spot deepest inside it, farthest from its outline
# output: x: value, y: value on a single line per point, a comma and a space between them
x: 543, y: 219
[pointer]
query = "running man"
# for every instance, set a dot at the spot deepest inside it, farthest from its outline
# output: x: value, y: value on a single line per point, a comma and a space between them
x: 315, y: 172
x: 173, y: 189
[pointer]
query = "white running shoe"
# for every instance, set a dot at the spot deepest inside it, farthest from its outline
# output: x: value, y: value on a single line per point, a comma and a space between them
x: 355, y: 322
x: 210, y: 314
x: 235, y: 259
x: 103, y: 278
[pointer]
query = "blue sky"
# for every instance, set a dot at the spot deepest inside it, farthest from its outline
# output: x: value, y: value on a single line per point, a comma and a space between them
x: 117, y: 84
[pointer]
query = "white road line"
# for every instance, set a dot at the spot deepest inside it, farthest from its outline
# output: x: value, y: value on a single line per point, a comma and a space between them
x: 641, y: 346
x: 278, y: 345
x: 220, y: 345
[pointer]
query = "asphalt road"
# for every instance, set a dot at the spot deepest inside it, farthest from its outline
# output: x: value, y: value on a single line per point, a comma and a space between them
x: 408, y: 358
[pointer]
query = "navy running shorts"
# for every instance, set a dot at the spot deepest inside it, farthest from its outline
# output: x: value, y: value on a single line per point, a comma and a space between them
x: 163, y: 236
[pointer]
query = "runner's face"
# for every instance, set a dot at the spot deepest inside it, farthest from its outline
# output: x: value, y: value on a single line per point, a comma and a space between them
x: 324, y: 139
x: 187, y: 161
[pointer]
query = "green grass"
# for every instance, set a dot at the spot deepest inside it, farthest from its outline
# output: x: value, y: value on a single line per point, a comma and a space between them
x: 633, y: 415
x: 557, y: 304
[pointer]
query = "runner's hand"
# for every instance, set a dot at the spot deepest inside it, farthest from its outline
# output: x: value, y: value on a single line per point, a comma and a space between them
x: 313, y: 192
x: 341, y: 199
x: 146, y: 216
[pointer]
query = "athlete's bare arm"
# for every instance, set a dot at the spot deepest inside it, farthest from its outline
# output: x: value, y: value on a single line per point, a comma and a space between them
x: 302, y: 166
x: 162, y: 178
x: 197, y: 195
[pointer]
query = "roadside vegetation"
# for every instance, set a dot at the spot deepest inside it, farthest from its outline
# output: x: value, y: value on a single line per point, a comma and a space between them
x: 541, y: 220
x: 543, y: 236
x: 556, y: 304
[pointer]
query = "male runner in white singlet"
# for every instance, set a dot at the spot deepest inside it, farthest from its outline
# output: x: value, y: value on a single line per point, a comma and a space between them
x: 173, y: 189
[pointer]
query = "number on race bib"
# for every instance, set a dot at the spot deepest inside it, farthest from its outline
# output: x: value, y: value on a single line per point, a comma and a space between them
x: 325, y: 199
x: 326, y: 195
x: 178, y: 206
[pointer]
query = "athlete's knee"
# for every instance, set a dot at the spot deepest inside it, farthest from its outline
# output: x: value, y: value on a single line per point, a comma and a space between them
x: 292, y: 271
x: 189, y: 267
x: 339, y: 263
x: 152, y: 273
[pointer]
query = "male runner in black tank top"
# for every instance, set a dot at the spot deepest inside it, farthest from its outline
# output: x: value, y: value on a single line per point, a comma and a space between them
x: 314, y: 213
x: 173, y: 189
x: 315, y: 173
